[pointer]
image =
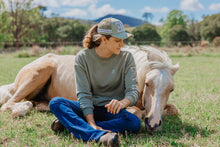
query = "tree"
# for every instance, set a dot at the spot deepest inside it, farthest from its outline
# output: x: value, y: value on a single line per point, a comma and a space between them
x: 62, y: 29
x: 210, y: 27
x: 175, y: 17
x: 148, y: 16
x: 4, y: 23
x: 146, y: 32
x: 161, y: 20
x: 79, y: 30
x: 178, y: 34
x: 193, y: 30
x: 25, y: 22
x: 51, y: 26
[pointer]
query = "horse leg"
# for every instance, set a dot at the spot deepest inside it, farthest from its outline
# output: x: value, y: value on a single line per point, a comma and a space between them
x: 30, y: 80
x: 136, y: 111
x: 21, y: 108
x: 42, y: 106
x: 170, y: 109
x: 6, y: 92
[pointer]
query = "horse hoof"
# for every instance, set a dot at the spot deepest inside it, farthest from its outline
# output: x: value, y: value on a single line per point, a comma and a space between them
x: 20, y: 109
x: 4, y: 108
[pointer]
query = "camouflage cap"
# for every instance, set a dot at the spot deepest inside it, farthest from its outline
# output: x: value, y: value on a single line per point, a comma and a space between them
x: 113, y: 27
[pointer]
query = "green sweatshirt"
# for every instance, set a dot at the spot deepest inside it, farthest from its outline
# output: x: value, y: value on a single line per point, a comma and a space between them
x: 99, y: 80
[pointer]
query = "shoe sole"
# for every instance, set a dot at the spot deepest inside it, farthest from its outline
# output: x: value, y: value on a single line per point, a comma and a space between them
x: 59, y: 128
x: 115, y: 142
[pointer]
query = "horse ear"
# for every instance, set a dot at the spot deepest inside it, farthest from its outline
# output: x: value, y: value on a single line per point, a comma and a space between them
x: 174, y: 68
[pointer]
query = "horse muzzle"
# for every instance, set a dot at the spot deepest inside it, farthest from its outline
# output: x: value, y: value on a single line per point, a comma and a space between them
x: 150, y: 129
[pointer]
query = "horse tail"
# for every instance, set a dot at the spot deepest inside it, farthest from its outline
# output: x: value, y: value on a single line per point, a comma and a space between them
x: 6, y: 92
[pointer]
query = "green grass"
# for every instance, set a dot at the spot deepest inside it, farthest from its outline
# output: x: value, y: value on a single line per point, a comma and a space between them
x: 196, y: 94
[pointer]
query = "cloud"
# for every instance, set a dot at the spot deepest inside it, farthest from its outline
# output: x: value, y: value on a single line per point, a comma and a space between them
x: 48, y: 3
x: 93, y: 12
x: 156, y: 10
x: 104, y: 10
x: 157, y: 23
x: 77, y: 13
x: 192, y: 5
x: 48, y: 13
x: 214, y: 7
x: 78, y: 3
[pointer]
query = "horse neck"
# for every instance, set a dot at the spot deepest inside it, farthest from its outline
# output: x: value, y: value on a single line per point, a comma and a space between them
x: 142, y: 68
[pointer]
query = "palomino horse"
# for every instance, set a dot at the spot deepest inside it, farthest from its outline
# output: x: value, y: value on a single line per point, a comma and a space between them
x: 53, y: 75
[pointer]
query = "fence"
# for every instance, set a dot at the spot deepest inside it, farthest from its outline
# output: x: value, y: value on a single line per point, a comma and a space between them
x: 13, y: 46
x: 42, y: 44
x: 168, y: 43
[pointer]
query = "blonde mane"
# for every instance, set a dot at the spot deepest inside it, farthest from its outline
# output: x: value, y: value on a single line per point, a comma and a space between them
x: 153, y: 58
x: 146, y: 59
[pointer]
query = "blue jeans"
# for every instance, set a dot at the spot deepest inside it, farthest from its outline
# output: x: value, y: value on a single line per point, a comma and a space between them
x: 70, y: 115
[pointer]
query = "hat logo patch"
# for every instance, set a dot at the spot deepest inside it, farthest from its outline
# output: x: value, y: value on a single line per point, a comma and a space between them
x: 120, y: 27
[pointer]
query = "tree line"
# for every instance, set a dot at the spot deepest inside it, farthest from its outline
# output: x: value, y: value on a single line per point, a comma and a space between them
x: 177, y: 27
x: 23, y: 22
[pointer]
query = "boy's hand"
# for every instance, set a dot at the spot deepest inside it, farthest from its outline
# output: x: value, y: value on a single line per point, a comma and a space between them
x: 115, y: 105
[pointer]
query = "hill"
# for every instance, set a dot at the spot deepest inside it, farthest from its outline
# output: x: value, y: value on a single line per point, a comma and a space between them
x: 126, y: 20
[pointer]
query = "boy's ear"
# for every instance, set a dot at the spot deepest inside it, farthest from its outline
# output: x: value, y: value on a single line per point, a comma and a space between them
x: 103, y: 39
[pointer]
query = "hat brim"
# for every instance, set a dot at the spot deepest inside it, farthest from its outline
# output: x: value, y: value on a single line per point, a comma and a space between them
x: 122, y: 35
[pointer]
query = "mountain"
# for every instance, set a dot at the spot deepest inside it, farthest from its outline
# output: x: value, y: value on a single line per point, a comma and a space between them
x: 126, y: 20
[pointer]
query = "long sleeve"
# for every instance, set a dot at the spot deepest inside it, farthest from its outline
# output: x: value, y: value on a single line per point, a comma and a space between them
x: 131, y: 91
x: 83, y: 89
x: 99, y: 80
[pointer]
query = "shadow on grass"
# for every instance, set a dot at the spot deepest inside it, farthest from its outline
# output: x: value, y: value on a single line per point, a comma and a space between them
x: 174, y: 128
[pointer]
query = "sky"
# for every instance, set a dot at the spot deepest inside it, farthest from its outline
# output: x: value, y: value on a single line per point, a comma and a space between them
x: 93, y: 9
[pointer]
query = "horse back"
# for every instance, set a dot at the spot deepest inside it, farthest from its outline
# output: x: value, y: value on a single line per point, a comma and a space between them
x: 63, y: 79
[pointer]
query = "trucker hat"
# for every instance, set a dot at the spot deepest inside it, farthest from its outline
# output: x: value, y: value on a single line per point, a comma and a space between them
x: 113, y: 27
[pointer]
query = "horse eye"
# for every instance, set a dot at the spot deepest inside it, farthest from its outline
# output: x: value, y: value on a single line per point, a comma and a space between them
x: 171, y: 90
x: 147, y: 84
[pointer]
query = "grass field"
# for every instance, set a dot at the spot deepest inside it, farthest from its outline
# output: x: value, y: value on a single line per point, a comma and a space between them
x: 196, y: 94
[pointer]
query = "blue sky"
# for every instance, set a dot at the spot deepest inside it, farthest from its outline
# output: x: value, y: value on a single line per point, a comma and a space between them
x: 93, y: 9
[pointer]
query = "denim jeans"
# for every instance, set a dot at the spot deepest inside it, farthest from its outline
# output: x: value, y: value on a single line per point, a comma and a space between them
x: 70, y: 115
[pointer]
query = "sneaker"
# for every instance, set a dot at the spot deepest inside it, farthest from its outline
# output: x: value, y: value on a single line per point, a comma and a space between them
x: 57, y: 127
x: 109, y: 139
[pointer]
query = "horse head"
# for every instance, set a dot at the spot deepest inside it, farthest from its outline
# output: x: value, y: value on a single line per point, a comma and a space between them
x: 155, y: 83
x: 158, y: 84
